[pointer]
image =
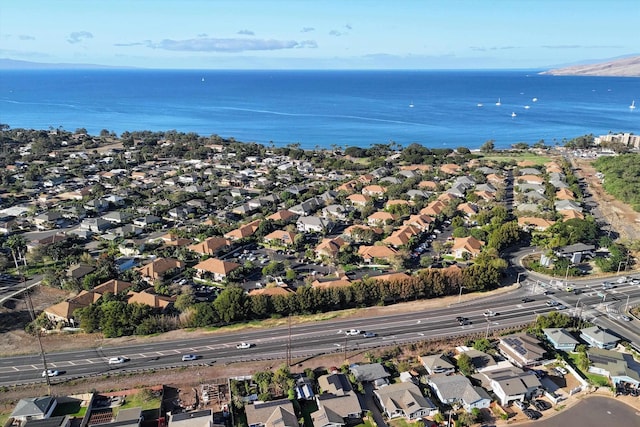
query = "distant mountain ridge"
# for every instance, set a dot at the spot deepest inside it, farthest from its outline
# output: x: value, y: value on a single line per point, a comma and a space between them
x: 626, y: 67
x: 14, y: 64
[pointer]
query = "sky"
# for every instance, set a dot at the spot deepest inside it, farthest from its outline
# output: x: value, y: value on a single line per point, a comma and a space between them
x: 319, y: 34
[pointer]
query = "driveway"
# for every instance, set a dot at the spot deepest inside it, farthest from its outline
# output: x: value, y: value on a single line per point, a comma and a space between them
x: 370, y: 403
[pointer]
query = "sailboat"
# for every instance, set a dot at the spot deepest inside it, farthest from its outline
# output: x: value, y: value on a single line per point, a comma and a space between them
x: 513, y: 114
x: 498, y: 103
x: 633, y: 105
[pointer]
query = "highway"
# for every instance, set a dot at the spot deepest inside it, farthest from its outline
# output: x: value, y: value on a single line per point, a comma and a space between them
x: 309, y: 339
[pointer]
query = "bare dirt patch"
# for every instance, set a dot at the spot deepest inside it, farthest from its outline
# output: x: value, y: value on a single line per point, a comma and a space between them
x: 624, y: 220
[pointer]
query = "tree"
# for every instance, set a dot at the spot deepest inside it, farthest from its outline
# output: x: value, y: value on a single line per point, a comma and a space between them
x: 17, y: 244
x: 465, y: 364
x: 488, y: 146
x: 232, y: 304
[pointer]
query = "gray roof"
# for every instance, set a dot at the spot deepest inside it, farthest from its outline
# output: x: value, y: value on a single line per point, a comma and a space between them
x: 513, y: 380
x: 60, y: 421
x: 599, y: 335
x: 405, y: 396
x: 450, y: 386
x: 32, y: 406
x: 276, y: 413
x: 191, y: 419
x: 617, y: 364
x: 369, y: 372
x: 559, y: 336
x: 436, y: 361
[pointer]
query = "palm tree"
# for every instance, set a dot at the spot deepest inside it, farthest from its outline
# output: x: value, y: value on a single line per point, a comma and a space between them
x: 17, y: 243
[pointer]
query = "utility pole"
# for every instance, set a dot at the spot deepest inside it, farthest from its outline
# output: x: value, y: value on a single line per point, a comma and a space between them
x: 289, y: 344
x: 37, y: 331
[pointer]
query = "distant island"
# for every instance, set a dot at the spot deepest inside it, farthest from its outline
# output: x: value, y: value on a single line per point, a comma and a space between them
x: 627, y: 67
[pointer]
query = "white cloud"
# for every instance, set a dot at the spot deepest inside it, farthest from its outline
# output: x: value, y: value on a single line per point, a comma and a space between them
x: 78, y: 36
x: 227, y: 45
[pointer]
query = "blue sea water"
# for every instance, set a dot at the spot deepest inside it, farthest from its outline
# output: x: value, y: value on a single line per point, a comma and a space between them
x: 325, y: 108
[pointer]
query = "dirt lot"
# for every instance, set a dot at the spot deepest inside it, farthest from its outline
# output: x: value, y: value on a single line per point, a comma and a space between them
x: 624, y: 220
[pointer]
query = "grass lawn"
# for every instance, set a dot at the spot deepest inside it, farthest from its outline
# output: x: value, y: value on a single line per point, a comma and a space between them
x: 518, y: 157
x: 599, y: 380
x: 70, y: 408
x: 401, y: 422
x: 143, y: 399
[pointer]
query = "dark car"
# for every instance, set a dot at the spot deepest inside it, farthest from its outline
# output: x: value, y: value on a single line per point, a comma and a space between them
x: 527, y: 299
x: 541, y: 405
x: 531, y: 414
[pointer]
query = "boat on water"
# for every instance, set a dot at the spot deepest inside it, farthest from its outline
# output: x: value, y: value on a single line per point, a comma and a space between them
x: 526, y: 107
x: 513, y: 114
x: 633, y: 105
x: 202, y: 79
x: 535, y: 99
x: 411, y: 104
x: 498, y: 103
x: 479, y: 104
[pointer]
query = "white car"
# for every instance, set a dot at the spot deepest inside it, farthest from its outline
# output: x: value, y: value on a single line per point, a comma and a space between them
x: 353, y: 332
x: 189, y: 357
x: 117, y: 360
x: 50, y: 373
x: 625, y: 318
x: 489, y: 313
x: 243, y: 345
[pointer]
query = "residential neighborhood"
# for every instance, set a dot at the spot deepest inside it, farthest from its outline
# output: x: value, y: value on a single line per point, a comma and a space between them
x: 169, y: 232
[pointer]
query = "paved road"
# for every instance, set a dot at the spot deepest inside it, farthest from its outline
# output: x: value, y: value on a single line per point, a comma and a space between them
x: 595, y: 411
x: 306, y: 340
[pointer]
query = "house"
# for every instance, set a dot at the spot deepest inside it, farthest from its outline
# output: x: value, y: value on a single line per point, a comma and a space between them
x: 434, y: 208
x: 202, y: 418
x: 159, y: 268
x: 307, y: 207
x: 95, y: 225
x: 599, y: 338
x: 466, y: 245
x: 243, y: 231
x: 511, y: 384
x: 314, y: 224
x: 563, y: 205
x: 61, y: 421
x: 216, y: 268
x: 422, y: 222
x: 530, y: 222
x: 404, y: 400
x: 450, y: 169
x: 78, y: 271
x: 338, y: 403
x: 374, y: 190
x: 437, y: 364
x: 330, y: 247
x: 338, y: 283
x: 381, y: 218
x: 402, y: 236
x: 280, y: 237
x: 282, y: 215
x: 34, y: 408
x: 560, y: 339
x: 210, y: 246
x: 151, y: 299
x: 147, y: 220
x: 576, y: 252
x: 116, y: 217
x: 618, y: 367
x: 457, y: 389
x: 360, y: 200
x: 371, y: 372
x: 371, y: 253
x: 275, y: 413
x: 48, y: 220
x: 521, y: 349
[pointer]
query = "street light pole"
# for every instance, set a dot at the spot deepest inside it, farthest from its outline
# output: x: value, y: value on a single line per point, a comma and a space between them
x: 460, y: 294
x: 566, y: 275
x: 518, y: 278
x: 486, y: 334
x: 626, y: 306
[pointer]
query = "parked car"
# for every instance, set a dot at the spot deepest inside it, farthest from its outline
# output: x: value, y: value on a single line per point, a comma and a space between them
x: 117, y: 360
x: 541, y: 405
x: 561, y: 370
x: 243, y: 345
x: 531, y: 414
x: 50, y: 373
x: 353, y: 332
x: 189, y: 357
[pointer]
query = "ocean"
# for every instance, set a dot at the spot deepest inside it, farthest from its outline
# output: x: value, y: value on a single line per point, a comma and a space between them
x: 324, y: 109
